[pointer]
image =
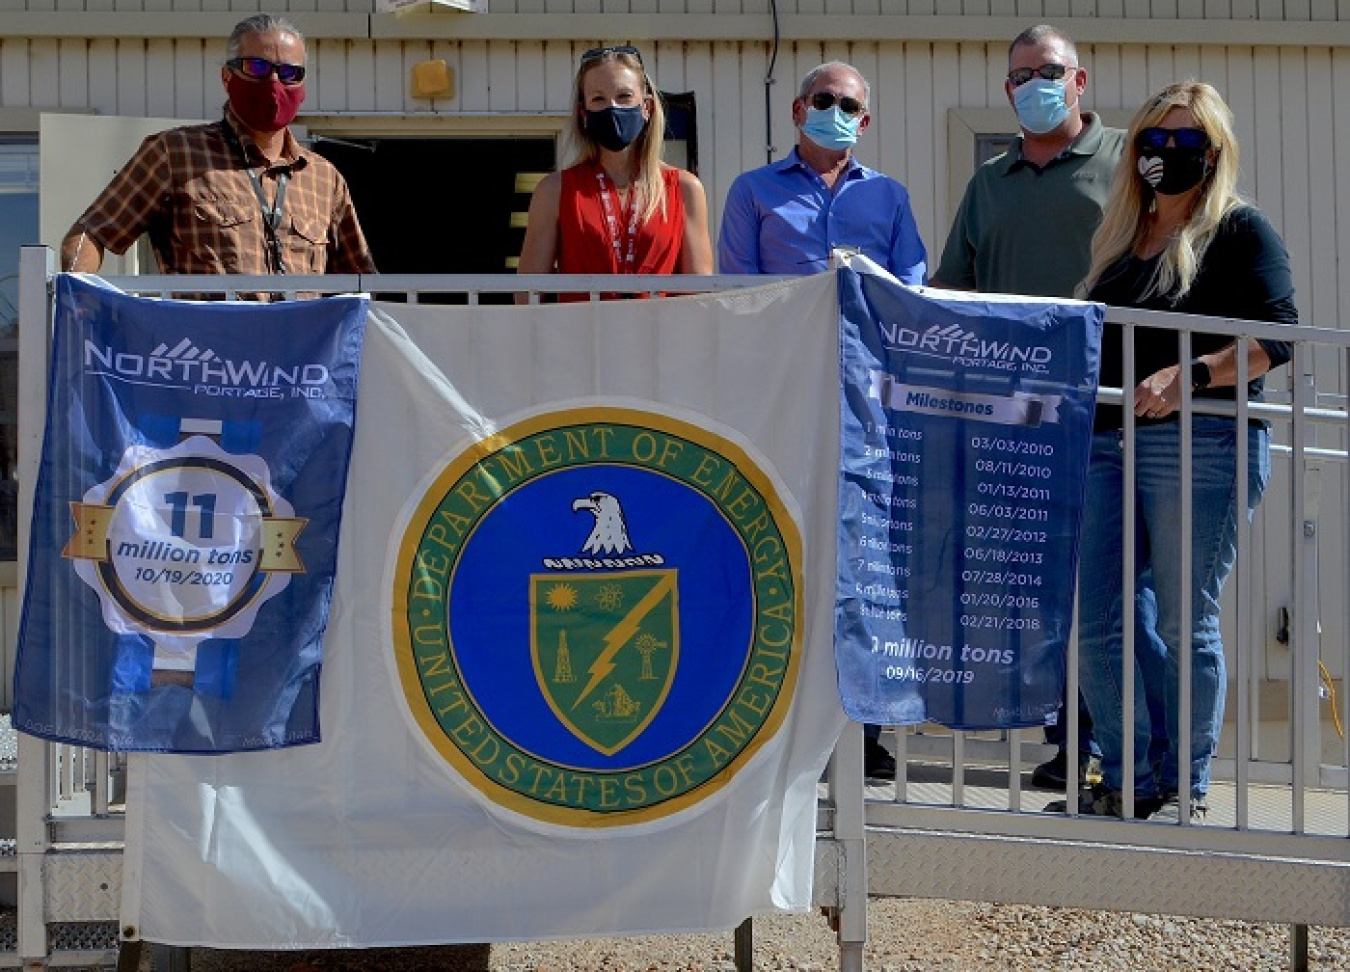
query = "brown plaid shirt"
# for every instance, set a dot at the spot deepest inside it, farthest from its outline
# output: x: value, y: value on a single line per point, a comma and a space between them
x: 189, y: 189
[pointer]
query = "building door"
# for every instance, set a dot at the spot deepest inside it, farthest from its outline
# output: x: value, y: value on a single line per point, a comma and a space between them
x: 449, y: 205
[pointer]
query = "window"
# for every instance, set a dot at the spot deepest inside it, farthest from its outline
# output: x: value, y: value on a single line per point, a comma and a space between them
x: 18, y: 227
x: 991, y: 146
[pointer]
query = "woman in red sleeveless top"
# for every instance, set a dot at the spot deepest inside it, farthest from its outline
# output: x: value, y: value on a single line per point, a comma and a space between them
x: 619, y: 209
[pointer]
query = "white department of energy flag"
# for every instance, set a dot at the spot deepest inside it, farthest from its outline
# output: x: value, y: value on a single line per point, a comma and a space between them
x: 578, y: 679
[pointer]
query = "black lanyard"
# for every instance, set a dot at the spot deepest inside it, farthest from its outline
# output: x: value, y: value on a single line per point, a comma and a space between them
x: 271, y: 215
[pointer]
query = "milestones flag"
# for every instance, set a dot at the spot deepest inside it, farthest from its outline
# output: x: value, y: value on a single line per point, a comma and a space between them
x: 966, y: 425
x: 579, y: 679
x: 185, y: 527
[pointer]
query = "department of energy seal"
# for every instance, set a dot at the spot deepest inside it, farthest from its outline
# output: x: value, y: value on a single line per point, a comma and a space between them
x: 597, y: 615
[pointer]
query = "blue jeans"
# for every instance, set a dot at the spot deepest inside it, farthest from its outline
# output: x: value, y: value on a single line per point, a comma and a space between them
x: 1057, y: 734
x: 1158, y: 640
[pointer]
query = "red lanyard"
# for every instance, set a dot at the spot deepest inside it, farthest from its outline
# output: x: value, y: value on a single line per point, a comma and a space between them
x: 624, y: 256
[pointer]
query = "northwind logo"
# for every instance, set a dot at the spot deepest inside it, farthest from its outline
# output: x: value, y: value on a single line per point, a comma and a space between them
x: 183, y: 349
x: 964, y: 347
x: 189, y: 366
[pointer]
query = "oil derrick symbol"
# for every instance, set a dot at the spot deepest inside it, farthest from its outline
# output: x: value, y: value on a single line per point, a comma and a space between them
x: 562, y: 671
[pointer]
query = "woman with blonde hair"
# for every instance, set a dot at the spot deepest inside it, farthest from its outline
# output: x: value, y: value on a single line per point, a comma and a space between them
x: 619, y: 208
x: 1175, y: 236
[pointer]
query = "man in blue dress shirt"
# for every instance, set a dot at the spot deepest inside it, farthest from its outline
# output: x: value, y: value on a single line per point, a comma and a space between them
x: 785, y: 217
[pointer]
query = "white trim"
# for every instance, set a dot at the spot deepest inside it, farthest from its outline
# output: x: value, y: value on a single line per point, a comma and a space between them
x: 964, y: 126
x: 26, y: 120
x: 871, y: 28
x: 369, y: 124
x: 94, y: 25
x: 689, y: 27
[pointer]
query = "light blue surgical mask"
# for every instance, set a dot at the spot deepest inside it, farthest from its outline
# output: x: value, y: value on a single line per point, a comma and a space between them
x: 831, y: 128
x: 1040, y: 105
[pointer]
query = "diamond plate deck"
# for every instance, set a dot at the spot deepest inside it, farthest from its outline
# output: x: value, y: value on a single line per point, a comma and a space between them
x: 83, y: 885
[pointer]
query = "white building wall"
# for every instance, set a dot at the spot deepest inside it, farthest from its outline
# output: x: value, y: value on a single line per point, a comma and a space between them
x: 1270, y: 10
x: 1292, y: 107
x: 1291, y: 102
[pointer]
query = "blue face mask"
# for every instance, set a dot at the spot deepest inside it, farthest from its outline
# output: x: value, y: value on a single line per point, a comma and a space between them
x: 1040, y: 105
x: 831, y: 128
x: 615, y: 128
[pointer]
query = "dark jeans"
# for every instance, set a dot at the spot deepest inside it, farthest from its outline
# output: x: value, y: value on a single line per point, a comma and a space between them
x: 1055, y: 734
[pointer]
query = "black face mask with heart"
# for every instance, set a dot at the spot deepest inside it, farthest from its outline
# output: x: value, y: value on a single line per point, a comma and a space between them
x: 1174, y: 170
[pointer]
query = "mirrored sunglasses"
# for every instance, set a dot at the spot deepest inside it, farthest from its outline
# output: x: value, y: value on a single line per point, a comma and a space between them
x: 260, y: 69
x: 1152, y: 139
x: 598, y: 52
x: 824, y: 101
x: 1050, y: 72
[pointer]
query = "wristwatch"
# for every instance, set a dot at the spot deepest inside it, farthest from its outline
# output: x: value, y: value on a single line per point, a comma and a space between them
x: 1200, y: 374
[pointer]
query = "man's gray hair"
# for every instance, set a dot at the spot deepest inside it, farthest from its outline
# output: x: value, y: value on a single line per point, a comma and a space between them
x: 260, y: 24
x: 1038, y: 35
x: 813, y: 74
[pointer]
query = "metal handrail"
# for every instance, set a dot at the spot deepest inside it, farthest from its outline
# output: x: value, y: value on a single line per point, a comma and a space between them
x: 413, y: 284
x: 851, y: 813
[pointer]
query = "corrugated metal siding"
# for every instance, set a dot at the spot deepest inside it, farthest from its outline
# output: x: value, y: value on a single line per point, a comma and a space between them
x: 1031, y: 10
x: 1291, y: 105
x: 1293, y: 117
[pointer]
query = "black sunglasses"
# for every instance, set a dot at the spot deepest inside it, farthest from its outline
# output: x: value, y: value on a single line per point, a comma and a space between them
x: 260, y: 69
x: 1152, y: 139
x: 1050, y: 72
x: 597, y: 52
x: 824, y: 101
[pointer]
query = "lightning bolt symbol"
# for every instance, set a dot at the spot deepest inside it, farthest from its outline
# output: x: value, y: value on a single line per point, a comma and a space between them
x: 621, y: 632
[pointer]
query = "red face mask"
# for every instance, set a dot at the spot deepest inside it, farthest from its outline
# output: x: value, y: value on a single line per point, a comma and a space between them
x: 264, y: 106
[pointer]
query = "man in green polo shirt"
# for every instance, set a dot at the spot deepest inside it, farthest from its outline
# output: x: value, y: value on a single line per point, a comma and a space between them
x: 1025, y: 225
x: 1026, y: 222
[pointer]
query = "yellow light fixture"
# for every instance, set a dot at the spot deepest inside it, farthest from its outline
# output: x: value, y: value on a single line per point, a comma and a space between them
x: 432, y: 79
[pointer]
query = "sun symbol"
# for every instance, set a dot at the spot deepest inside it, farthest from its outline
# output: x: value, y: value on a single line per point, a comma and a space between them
x: 609, y: 597
x: 561, y: 597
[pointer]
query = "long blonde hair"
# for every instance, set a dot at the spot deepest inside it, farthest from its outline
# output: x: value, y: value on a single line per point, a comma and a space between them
x: 648, y: 146
x: 1124, y: 222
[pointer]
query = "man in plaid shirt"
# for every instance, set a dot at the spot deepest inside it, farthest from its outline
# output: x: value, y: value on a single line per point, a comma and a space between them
x: 236, y: 196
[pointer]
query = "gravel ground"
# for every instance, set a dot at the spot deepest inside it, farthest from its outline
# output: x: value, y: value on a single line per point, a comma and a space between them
x: 904, y: 935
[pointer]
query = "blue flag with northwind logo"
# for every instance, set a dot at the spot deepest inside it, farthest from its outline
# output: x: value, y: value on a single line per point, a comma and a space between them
x: 184, y: 536
x: 966, y: 423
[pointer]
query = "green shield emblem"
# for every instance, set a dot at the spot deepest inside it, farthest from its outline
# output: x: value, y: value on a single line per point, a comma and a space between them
x: 605, y: 648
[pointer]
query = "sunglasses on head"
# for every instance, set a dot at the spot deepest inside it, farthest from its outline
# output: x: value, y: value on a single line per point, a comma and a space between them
x: 260, y: 69
x: 598, y: 52
x: 1050, y: 72
x: 1152, y: 139
x: 824, y: 101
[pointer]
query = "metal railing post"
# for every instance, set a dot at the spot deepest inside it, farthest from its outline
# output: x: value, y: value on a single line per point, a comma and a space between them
x: 846, y: 788
x: 744, y: 942
x: 1244, y: 651
x: 1298, y: 948
x: 34, y: 784
x: 1303, y: 641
